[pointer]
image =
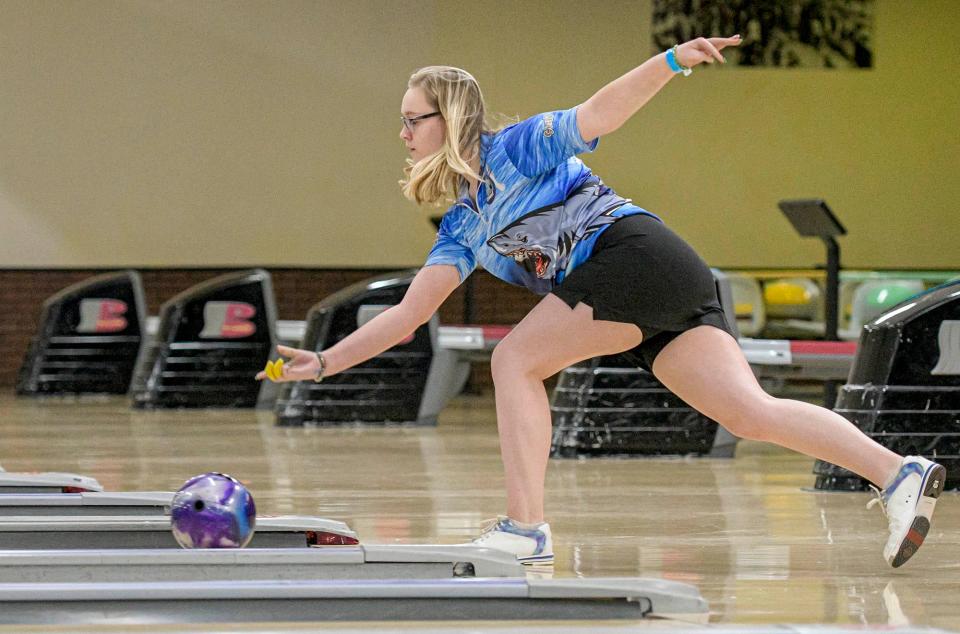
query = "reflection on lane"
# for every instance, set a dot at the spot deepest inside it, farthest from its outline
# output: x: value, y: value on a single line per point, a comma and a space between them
x: 760, y: 547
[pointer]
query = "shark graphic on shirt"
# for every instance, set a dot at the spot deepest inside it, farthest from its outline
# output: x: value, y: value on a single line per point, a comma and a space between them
x: 541, y: 241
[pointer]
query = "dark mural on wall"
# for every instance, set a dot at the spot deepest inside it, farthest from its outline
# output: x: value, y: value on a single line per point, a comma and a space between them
x: 790, y: 33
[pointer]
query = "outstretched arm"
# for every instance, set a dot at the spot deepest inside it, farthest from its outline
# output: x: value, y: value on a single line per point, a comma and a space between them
x: 616, y: 102
x: 429, y: 288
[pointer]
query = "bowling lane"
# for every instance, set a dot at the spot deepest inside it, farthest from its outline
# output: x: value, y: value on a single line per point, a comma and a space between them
x: 760, y: 548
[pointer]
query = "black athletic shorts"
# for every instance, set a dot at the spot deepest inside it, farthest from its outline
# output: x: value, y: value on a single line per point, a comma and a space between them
x: 640, y: 272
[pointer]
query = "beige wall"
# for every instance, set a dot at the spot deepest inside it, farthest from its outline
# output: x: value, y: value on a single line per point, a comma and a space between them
x: 189, y: 133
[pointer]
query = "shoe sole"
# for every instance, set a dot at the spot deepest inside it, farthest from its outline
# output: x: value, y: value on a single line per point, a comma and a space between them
x: 536, y: 560
x: 930, y: 490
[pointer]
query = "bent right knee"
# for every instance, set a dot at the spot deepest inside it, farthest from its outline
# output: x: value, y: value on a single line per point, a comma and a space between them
x: 510, y: 361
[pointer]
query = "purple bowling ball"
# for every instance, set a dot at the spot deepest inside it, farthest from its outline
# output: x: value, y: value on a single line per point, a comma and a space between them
x: 213, y: 510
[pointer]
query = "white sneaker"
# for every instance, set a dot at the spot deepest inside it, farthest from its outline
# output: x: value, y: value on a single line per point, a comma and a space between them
x: 908, y: 504
x: 530, y: 545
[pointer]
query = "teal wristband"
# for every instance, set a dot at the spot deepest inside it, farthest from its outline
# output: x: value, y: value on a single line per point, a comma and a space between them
x: 675, y: 64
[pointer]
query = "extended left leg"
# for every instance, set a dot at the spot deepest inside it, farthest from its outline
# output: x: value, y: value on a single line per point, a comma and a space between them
x: 706, y: 368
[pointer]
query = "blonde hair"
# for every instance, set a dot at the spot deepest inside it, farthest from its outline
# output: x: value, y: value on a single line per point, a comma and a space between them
x: 456, y: 95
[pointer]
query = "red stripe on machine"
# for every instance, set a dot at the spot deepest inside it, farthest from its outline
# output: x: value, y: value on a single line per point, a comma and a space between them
x: 844, y: 348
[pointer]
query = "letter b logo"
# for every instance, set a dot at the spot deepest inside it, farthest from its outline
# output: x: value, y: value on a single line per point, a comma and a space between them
x: 227, y: 320
x: 99, y: 316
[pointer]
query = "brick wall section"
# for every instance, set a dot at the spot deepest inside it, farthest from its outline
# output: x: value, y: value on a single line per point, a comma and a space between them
x: 22, y: 293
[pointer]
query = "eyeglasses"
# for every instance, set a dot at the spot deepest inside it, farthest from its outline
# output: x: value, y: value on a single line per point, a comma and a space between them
x: 410, y: 122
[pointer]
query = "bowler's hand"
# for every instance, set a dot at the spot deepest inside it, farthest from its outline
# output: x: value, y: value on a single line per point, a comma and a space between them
x: 704, y: 49
x: 302, y: 365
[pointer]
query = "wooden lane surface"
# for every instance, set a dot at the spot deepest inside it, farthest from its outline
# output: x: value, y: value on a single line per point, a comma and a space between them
x: 760, y: 547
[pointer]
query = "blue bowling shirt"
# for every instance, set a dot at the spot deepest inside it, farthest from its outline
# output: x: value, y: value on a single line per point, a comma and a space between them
x: 540, y: 208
